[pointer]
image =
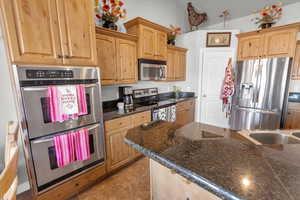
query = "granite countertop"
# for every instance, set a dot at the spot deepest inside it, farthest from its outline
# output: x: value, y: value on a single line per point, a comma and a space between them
x: 222, y: 161
x: 113, y: 113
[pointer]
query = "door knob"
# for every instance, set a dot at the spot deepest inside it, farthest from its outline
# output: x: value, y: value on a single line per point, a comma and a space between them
x: 204, y: 95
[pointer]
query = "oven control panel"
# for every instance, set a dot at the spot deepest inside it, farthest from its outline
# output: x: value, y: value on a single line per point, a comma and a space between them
x: 49, y: 74
x: 145, y: 92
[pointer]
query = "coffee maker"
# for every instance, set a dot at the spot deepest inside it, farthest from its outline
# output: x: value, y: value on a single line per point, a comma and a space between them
x: 126, y: 95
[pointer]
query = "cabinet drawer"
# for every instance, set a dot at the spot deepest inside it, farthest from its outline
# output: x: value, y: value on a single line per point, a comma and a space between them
x: 141, y: 118
x: 72, y: 187
x: 120, y: 123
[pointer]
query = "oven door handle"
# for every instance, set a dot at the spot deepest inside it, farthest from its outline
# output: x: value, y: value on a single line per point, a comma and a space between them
x: 46, y: 88
x: 52, y: 137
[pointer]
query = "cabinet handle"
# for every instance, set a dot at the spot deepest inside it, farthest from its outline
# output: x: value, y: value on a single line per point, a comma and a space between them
x: 60, y: 56
x: 67, y: 56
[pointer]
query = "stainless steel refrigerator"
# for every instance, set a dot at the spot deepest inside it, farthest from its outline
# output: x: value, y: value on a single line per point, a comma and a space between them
x: 261, y: 89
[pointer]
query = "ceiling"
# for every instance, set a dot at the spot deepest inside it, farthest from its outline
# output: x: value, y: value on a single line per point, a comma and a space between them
x: 237, y: 8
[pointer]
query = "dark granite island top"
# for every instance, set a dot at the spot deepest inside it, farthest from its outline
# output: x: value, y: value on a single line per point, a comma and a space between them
x: 222, y: 161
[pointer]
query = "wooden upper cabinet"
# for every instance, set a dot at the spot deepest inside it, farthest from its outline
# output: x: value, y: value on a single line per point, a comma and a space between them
x: 117, y: 57
x: 152, y: 38
x: 268, y: 43
x: 127, y: 61
x: 180, y: 72
x: 250, y: 47
x: 176, y: 64
x: 161, y: 47
x: 78, y: 32
x: 296, y: 64
x: 106, y: 50
x: 148, y: 46
x: 280, y: 43
x: 171, y: 65
x: 32, y: 31
x: 50, y: 32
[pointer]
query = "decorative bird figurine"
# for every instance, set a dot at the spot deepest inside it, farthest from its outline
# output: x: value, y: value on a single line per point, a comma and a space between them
x: 195, y: 18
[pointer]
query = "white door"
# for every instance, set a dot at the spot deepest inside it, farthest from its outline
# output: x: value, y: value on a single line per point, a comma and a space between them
x: 213, y: 72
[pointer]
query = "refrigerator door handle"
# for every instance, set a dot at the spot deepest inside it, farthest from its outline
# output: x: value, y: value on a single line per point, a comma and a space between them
x: 258, y: 88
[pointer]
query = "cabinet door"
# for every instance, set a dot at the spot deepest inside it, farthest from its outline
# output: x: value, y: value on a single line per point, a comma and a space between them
x: 78, y: 32
x: 126, y: 61
x: 296, y: 65
x: 293, y: 118
x: 106, y: 51
x: 171, y: 65
x: 32, y: 31
x: 118, y: 153
x: 161, y: 46
x: 180, y: 66
x: 147, y: 43
x: 250, y: 47
x: 280, y: 43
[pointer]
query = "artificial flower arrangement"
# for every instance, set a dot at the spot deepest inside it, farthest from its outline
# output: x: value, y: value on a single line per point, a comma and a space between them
x: 175, y: 31
x: 109, y: 12
x: 269, y: 15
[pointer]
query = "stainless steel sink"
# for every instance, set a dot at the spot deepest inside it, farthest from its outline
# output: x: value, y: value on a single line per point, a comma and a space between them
x: 274, y: 138
x: 297, y: 134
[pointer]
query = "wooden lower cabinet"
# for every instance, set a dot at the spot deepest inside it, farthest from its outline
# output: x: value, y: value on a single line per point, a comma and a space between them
x: 293, y: 116
x: 118, y: 152
x: 75, y: 185
x: 166, y: 185
x: 185, y: 112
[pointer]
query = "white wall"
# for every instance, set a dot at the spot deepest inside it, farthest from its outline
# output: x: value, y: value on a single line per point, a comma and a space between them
x: 291, y: 14
x: 165, y: 13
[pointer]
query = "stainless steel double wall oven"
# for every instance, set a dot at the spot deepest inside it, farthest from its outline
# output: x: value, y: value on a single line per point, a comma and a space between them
x: 39, y: 131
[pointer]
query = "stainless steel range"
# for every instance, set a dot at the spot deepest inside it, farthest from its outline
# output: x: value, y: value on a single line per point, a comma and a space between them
x: 39, y: 130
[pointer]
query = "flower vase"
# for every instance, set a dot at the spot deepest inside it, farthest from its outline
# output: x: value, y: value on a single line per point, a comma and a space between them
x: 110, y: 25
x: 266, y: 25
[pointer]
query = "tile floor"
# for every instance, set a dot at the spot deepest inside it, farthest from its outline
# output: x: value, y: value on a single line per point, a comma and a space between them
x: 131, y: 183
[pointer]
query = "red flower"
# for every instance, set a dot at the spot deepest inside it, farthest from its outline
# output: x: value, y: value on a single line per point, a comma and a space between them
x: 274, y: 6
x: 112, y: 2
x: 98, y: 16
x: 264, y: 14
x: 121, y: 3
x: 106, y: 8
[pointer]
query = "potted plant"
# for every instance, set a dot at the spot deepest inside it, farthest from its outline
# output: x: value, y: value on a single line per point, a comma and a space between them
x: 269, y: 16
x: 175, y: 31
x: 109, y: 12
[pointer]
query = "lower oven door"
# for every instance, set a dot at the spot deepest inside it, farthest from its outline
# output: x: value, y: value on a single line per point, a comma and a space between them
x: 36, y: 106
x: 45, y: 164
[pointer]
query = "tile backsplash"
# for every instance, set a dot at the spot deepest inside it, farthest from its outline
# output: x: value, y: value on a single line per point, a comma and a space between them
x: 112, y: 92
x: 295, y: 86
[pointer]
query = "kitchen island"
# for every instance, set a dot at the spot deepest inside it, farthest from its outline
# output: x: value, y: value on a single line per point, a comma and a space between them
x: 220, y: 162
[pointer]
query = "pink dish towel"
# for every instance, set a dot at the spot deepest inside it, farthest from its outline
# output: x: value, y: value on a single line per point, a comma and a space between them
x: 82, y: 144
x: 64, y: 149
x: 56, y: 113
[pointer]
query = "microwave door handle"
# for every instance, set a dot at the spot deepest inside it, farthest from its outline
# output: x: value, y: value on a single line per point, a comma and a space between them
x: 51, y: 139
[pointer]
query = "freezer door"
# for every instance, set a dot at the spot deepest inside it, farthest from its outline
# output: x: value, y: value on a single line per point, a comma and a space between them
x: 270, y: 90
x: 251, y: 119
x: 246, y: 80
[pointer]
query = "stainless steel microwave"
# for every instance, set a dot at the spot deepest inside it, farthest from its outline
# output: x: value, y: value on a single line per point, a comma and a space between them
x: 152, y: 70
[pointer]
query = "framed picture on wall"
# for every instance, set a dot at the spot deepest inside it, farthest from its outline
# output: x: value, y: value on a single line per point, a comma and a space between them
x: 218, y: 39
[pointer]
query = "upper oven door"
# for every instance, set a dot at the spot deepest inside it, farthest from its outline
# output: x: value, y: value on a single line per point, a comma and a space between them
x: 44, y: 158
x: 36, y: 107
